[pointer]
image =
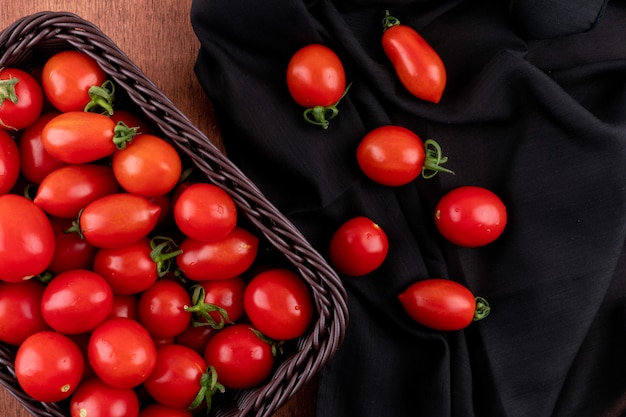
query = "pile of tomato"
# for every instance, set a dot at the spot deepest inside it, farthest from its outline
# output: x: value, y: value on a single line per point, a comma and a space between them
x: 129, y: 286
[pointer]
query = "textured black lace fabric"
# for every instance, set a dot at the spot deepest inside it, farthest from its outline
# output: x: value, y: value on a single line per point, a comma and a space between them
x: 535, y: 110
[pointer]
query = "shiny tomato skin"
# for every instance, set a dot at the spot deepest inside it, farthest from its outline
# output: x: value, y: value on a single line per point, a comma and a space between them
x: 26, y: 239
x: 358, y: 247
x: 439, y: 304
x: 35, y: 162
x: 225, y: 258
x: 279, y: 304
x: 417, y: 64
x: 227, y: 294
x: 240, y: 357
x: 162, y: 309
x: 391, y: 155
x: 67, y: 77
x: 196, y: 337
x: 21, y: 111
x: 94, y: 398
x: 9, y: 162
x: 160, y: 410
x: 67, y: 190
x: 470, y: 216
x: 70, y: 250
x: 147, y: 166
x: 49, y: 366
x: 118, y: 219
x: 205, y: 212
x: 121, y: 352
x: 315, y: 76
x: 20, y: 311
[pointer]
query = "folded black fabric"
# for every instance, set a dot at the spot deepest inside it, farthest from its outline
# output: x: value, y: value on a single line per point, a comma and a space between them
x: 539, y: 118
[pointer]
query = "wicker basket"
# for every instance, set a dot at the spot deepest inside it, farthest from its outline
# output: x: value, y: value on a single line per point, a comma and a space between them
x: 26, y: 44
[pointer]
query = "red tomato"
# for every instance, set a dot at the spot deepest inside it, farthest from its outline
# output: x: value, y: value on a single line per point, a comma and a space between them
x: 9, y: 162
x: 205, y: 212
x: 442, y: 304
x: 94, y: 398
x: 125, y: 305
x: 20, y: 311
x: 76, y: 301
x: 394, y: 156
x: 67, y: 77
x: 418, y: 66
x: 21, y: 99
x: 70, y: 250
x: 49, y: 366
x: 196, y: 337
x: 26, y: 239
x: 121, y: 352
x: 176, y: 379
x: 35, y: 162
x: 316, y: 80
x: 240, y: 357
x: 470, y: 216
x: 358, y: 247
x: 225, y: 258
x: 218, y: 302
x: 162, y: 309
x: 67, y: 190
x: 118, y: 220
x: 147, y: 166
x: 160, y: 410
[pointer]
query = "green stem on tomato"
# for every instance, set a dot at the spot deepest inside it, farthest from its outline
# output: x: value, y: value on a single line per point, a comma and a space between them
x: 433, y: 160
x: 209, y: 386
x: 101, y: 98
x: 123, y: 135
x: 75, y: 227
x: 389, y: 21
x: 163, y: 253
x: 320, y: 115
x: 7, y: 90
x: 203, y: 310
x: 482, y: 309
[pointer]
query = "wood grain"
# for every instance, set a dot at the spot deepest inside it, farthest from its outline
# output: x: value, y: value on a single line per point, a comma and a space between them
x: 157, y: 36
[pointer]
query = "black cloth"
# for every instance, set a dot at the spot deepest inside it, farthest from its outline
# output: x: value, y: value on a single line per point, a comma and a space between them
x: 535, y: 110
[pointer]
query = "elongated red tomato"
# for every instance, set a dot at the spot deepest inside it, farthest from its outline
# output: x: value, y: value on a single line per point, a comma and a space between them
x: 417, y: 64
x: 35, y: 162
x: 21, y: 99
x: 9, y: 162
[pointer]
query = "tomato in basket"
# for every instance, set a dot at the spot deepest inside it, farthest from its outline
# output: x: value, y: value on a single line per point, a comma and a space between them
x: 35, y: 161
x: 20, y: 311
x: 9, y: 162
x: 21, y: 99
x: 94, y: 398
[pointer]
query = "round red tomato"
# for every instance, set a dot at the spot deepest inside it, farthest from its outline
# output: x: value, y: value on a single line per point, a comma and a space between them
x: 205, y: 212
x: 35, y: 162
x: 316, y: 80
x: 21, y: 99
x: 160, y: 410
x: 442, y: 304
x: 470, y: 216
x: 125, y: 305
x: 70, y: 250
x: 218, y: 302
x: 196, y: 337
x: 20, y: 311
x: 279, y: 304
x: 162, y: 309
x: 121, y: 352
x: 26, y: 239
x: 94, y: 398
x: 240, y: 357
x: 358, y: 247
x: 49, y: 366
x: 9, y: 162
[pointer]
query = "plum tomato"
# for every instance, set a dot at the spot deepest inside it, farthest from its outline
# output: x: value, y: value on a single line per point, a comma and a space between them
x: 217, y: 302
x: 20, y: 311
x: 21, y: 99
x: 35, y: 162
x: 9, y: 162
x: 94, y: 398
x: 470, y: 216
x: 359, y: 246
x: 162, y: 309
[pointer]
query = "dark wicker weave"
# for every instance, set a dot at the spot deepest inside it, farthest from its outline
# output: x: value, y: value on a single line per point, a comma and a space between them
x: 27, y: 43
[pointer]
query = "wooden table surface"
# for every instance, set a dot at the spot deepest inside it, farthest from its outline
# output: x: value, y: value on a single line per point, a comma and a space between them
x: 157, y: 36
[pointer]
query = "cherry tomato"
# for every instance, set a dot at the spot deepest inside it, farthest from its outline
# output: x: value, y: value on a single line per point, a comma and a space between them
x: 196, y: 337
x: 316, y: 80
x: 70, y: 251
x: 162, y: 309
x: 125, y: 305
x: 147, y: 166
x: 26, y: 239
x: 122, y: 352
x: 240, y: 357
x: 67, y: 190
x: 470, y: 216
x: 20, y: 311
x: 279, y: 304
x: 417, y: 64
x: 67, y: 77
x: 76, y: 301
x: 21, y: 99
x: 9, y: 162
x: 49, y: 366
x: 35, y: 162
x: 176, y: 379
x: 205, y: 212
x: 94, y: 398
x: 225, y: 258
x: 160, y: 410
x: 358, y: 247
x: 442, y: 304
x: 218, y: 302
x: 394, y: 156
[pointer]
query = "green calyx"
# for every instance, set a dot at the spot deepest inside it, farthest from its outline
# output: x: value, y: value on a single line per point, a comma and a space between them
x: 320, y: 115
x: 482, y: 309
x: 123, y: 135
x: 209, y: 386
x: 433, y: 160
x: 202, y: 310
x: 101, y: 98
x: 389, y: 21
x: 163, y: 253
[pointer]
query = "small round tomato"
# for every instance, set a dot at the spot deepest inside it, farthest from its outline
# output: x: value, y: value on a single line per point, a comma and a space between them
x: 122, y: 352
x: 205, y: 212
x: 49, y: 366
x: 442, y: 304
x: 240, y: 356
x: 70, y: 251
x: 160, y: 410
x: 125, y: 305
x: 218, y: 302
x: 9, y: 162
x: 76, y: 301
x: 316, y: 80
x: 162, y: 309
x: 196, y: 337
x: 94, y: 398
x: 35, y: 162
x: 279, y: 304
x: 21, y: 99
x: 20, y: 311
x: 470, y: 216
x: 358, y: 247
